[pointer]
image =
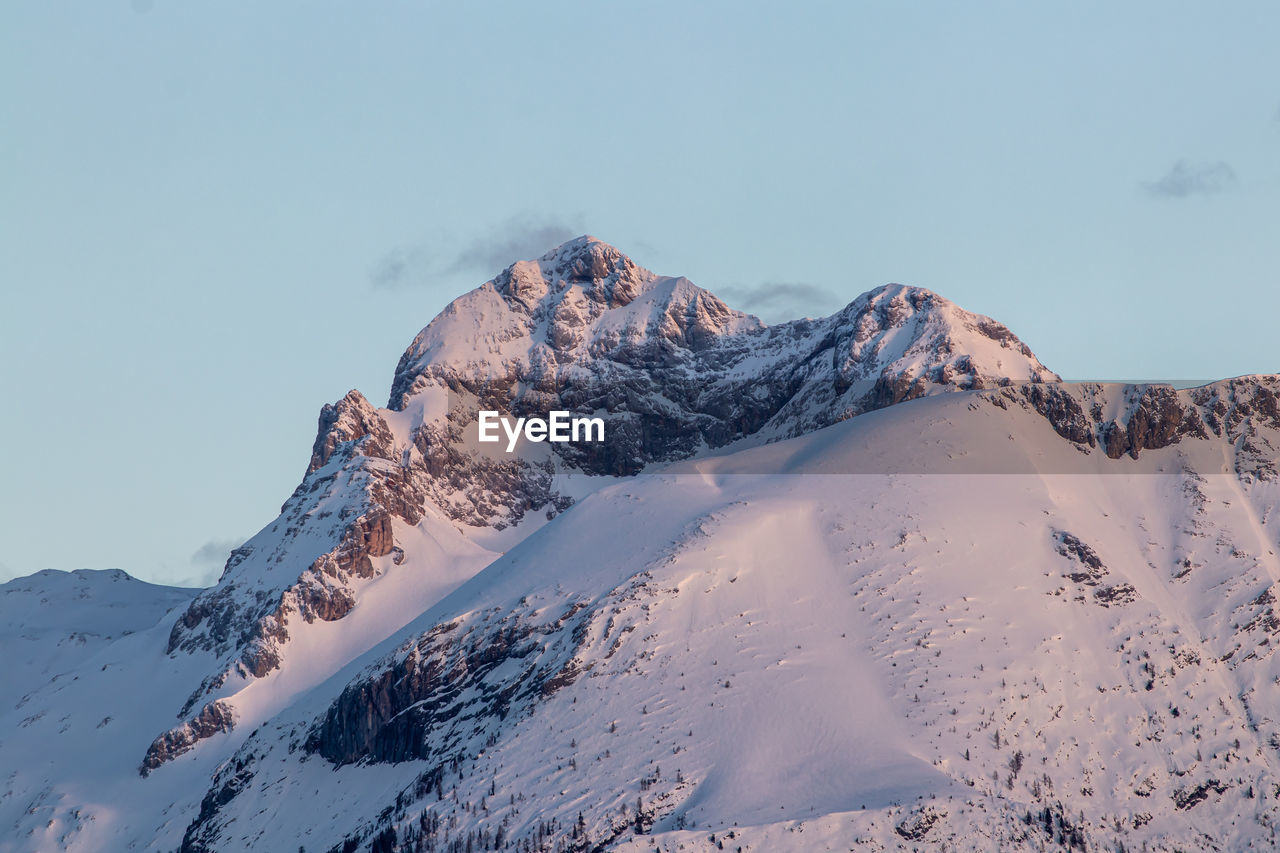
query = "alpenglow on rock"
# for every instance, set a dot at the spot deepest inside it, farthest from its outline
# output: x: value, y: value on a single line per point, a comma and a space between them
x: 582, y: 329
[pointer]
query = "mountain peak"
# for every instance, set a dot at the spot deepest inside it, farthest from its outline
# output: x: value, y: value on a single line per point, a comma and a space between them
x: 908, y: 297
x: 936, y: 330
x: 585, y: 300
x: 581, y: 246
x: 602, y: 271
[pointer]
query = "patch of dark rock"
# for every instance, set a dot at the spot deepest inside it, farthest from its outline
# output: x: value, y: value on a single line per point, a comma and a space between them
x: 1118, y: 594
x: 214, y: 718
x: 1073, y: 548
x: 1189, y: 798
x: 916, y: 826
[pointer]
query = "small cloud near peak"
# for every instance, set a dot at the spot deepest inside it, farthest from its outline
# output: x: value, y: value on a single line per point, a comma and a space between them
x: 521, y: 237
x: 776, y: 301
x: 1187, y: 178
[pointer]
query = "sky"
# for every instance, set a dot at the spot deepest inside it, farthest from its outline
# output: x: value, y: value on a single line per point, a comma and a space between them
x: 215, y: 218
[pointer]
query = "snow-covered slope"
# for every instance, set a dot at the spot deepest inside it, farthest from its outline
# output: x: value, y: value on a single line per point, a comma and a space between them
x: 748, y: 618
x: 771, y: 645
x: 52, y: 621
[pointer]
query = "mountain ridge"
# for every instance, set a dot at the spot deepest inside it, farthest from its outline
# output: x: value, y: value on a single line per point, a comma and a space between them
x: 585, y: 329
x: 525, y: 662
x: 426, y: 631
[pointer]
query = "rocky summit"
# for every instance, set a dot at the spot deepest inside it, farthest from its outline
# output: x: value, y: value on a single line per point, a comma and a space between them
x: 582, y: 329
x: 879, y: 580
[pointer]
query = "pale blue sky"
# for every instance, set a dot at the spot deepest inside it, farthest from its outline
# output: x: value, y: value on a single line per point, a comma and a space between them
x: 214, y: 218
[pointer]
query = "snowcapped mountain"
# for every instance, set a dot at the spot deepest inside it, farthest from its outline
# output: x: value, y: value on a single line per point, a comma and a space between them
x: 874, y: 581
x: 581, y: 329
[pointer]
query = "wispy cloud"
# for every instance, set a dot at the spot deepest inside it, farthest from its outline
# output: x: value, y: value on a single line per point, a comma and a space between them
x: 208, y: 560
x: 215, y: 551
x: 400, y: 267
x: 1186, y: 178
x: 777, y: 301
x: 518, y: 238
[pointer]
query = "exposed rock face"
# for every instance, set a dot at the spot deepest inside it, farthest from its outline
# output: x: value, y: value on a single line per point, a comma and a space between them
x: 461, y: 680
x: 343, y: 511
x: 584, y: 329
x: 232, y: 781
x: 1241, y: 409
x: 1156, y: 418
x: 442, y: 690
x: 1064, y: 412
x: 1150, y: 417
x: 214, y: 718
x: 1091, y: 569
x: 351, y: 419
x: 917, y: 824
x: 468, y: 676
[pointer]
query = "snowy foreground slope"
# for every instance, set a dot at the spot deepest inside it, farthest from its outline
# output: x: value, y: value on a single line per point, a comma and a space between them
x: 904, y: 590
x: 809, y: 658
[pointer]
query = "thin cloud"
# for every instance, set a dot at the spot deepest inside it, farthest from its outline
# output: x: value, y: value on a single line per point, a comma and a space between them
x: 775, y: 301
x: 215, y: 552
x: 1186, y: 178
x: 519, y: 238
x: 400, y: 268
x: 208, y: 561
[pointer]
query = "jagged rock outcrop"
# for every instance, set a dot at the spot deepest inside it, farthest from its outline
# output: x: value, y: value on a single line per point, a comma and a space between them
x: 1244, y: 409
x: 584, y: 329
x: 441, y: 691
x: 1150, y: 417
x: 1063, y: 411
x: 215, y: 718
x: 1155, y: 419
x: 351, y: 419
